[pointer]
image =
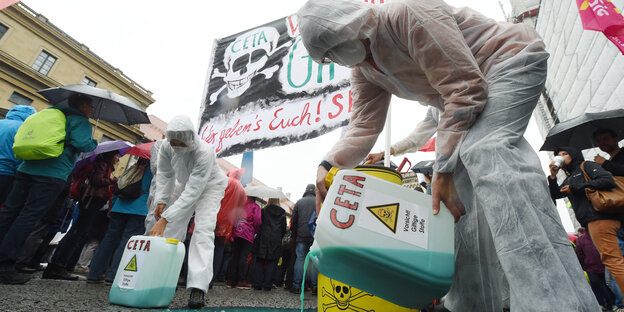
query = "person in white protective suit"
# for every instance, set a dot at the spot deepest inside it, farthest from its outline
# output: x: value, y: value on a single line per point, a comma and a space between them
x: 185, y: 158
x: 485, y: 78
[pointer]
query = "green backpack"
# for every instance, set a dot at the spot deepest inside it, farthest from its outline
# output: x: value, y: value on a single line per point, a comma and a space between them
x: 41, y: 136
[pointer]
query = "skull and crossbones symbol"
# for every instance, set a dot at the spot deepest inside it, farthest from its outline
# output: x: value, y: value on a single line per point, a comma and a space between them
x: 342, y: 296
x: 245, y: 58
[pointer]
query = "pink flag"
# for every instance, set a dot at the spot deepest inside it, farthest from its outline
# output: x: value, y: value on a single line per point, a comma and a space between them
x: 602, y: 15
x: 7, y: 3
x: 429, y: 146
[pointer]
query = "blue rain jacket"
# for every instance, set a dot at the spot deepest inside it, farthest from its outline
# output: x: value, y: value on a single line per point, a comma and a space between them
x: 8, y: 127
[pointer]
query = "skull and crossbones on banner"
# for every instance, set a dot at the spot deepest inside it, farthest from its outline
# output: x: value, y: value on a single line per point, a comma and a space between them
x: 343, y: 297
x: 245, y: 58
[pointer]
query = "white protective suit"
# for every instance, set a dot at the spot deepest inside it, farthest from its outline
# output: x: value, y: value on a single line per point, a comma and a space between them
x: 203, y: 185
x: 424, y: 130
x: 485, y: 78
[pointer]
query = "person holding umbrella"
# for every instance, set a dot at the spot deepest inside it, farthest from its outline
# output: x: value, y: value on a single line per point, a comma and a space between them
x: 485, y: 77
x: 187, y: 159
x: 602, y: 227
x: 38, y: 183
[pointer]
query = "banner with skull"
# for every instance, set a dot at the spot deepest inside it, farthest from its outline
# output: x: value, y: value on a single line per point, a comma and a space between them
x: 264, y: 90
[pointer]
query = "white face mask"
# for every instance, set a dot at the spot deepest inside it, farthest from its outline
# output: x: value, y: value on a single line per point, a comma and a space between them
x: 347, y: 54
x: 180, y: 149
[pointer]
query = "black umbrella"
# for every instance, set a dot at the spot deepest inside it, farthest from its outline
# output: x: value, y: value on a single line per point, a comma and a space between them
x: 424, y: 167
x: 579, y: 131
x: 107, y: 105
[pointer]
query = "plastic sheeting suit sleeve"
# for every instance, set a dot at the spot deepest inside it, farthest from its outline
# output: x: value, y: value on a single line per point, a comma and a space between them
x: 424, y: 130
x: 370, y: 106
x: 165, y: 176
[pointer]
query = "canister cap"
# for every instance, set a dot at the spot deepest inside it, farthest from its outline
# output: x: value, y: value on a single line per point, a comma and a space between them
x: 172, y: 241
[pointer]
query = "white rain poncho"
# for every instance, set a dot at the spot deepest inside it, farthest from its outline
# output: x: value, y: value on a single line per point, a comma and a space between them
x: 485, y: 78
x: 202, y: 184
x: 424, y: 130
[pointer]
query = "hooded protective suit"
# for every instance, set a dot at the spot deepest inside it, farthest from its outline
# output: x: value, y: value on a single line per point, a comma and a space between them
x: 203, y: 184
x: 485, y: 78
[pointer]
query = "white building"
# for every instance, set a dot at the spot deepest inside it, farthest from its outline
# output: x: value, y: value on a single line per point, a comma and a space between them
x: 585, y: 70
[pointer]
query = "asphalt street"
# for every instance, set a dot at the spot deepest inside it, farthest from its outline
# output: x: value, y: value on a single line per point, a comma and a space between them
x: 55, y: 295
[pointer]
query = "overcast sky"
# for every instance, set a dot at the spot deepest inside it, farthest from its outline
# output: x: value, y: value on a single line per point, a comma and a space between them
x: 165, y: 47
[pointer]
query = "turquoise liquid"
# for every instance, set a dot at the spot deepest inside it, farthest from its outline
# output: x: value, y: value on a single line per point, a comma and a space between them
x: 142, y: 298
x: 409, y: 278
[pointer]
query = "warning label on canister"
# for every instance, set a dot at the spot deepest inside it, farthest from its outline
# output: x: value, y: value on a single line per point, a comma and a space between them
x: 129, y: 269
x: 401, y: 220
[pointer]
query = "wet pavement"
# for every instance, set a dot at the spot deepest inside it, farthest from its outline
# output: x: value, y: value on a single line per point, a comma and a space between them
x: 54, y: 295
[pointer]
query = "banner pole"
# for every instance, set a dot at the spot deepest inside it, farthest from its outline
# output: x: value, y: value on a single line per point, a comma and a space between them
x: 388, y: 135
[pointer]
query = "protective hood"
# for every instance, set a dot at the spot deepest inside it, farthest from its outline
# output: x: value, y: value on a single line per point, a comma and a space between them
x: 236, y: 173
x: 181, y: 128
x: 20, y: 112
x: 575, y: 154
x: 335, y: 26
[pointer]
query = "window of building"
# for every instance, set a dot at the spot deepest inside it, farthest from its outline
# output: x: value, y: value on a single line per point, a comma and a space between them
x: 19, y: 99
x: 88, y: 81
x: 44, y: 62
x: 106, y: 139
x: 3, y: 30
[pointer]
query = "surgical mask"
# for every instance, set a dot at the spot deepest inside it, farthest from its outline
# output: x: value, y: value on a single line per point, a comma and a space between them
x: 181, y: 149
x: 347, y: 54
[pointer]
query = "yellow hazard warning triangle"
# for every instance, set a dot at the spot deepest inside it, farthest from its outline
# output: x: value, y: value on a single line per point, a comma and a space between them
x: 388, y: 215
x: 132, y: 265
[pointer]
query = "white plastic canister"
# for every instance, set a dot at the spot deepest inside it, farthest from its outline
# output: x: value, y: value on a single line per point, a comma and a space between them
x: 148, y: 272
x: 383, y: 238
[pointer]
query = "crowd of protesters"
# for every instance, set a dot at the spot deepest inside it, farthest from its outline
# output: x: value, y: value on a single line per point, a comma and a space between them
x: 241, y: 241
x: 175, y: 194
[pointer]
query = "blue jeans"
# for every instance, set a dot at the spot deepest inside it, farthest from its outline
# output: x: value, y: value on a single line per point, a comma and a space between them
x: 28, y: 201
x: 263, y: 272
x: 619, y: 299
x: 6, y: 184
x: 302, y: 250
x: 217, y: 263
x: 120, y: 228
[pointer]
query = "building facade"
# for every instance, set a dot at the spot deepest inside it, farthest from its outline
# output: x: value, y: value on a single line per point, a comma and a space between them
x: 35, y: 55
x: 585, y: 70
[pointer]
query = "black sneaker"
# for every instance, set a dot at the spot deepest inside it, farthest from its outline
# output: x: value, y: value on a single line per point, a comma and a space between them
x: 14, y: 278
x: 257, y: 287
x: 25, y: 269
x: 95, y: 281
x: 267, y: 288
x: 56, y: 272
x: 314, y: 291
x: 296, y: 291
x: 196, y: 300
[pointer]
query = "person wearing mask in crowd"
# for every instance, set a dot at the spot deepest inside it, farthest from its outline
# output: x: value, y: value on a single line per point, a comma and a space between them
x: 127, y: 218
x: 302, y: 212
x: 8, y: 163
x: 97, y: 196
x: 607, y: 141
x: 485, y: 78
x: 602, y: 227
x: 232, y: 205
x: 268, y: 245
x: 590, y: 262
x: 245, y: 230
x: 37, y: 185
x: 190, y: 161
